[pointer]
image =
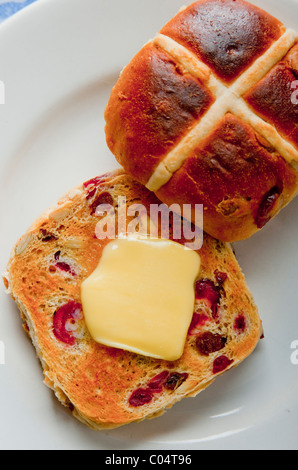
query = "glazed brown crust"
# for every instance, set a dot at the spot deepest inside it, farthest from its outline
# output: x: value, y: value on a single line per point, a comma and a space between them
x: 95, y: 381
x: 236, y: 169
x: 154, y: 105
x: 247, y: 61
x: 227, y: 35
x: 272, y: 97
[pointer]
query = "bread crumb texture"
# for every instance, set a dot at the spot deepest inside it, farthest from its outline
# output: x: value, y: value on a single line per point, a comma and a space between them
x: 106, y: 387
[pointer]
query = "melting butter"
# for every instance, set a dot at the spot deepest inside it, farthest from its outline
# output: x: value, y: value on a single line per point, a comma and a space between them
x: 141, y: 296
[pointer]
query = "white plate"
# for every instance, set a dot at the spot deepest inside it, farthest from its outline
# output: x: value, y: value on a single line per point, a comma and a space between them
x: 59, y: 60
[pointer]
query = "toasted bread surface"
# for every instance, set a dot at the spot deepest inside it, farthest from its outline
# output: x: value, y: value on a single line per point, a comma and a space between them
x: 106, y: 387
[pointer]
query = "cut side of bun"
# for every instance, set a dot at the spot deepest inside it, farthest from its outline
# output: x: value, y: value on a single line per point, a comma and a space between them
x: 205, y: 113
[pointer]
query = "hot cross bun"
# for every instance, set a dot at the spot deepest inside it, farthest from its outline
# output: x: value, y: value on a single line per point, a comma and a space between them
x: 107, y: 387
x: 206, y: 114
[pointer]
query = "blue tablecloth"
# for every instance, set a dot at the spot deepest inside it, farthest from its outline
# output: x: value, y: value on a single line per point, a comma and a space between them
x: 8, y: 9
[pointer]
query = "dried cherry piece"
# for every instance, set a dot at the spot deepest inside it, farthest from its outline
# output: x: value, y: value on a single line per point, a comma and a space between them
x: 141, y: 397
x: 221, y: 363
x: 94, y: 181
x: 92, y: 185
x: 158, y: 381
x: 175, y: 380
x: 220, y: 277
x: 167, y: 380
x: 240, y: 323
x: 103, y: 198
x: 62, y: 265
x: 69, y: 312
x: 266, y: 206
x: 47, y: 236
x: 208, y: 343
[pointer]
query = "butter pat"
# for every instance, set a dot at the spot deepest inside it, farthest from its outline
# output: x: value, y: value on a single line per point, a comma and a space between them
x: 141, y: 296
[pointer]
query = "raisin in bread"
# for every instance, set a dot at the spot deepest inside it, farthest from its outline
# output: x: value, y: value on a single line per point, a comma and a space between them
x: 205, y: 113
x: 106, y: 387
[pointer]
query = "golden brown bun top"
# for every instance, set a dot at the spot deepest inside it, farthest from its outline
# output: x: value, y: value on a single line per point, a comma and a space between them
x: 228, y: 35
x: 204, y: 114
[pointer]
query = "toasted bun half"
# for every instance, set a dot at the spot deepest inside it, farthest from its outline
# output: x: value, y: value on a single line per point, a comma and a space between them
x: 206, y: 113
x: 106, y: 387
